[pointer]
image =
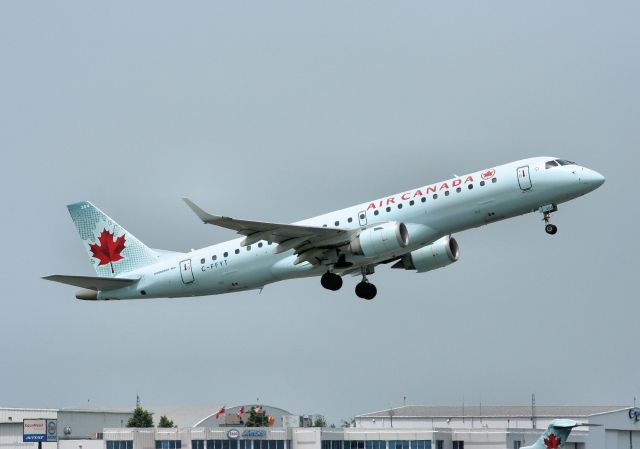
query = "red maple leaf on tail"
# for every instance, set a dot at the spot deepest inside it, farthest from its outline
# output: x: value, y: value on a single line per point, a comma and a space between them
x: 552, y: 442
x: 108, y: 251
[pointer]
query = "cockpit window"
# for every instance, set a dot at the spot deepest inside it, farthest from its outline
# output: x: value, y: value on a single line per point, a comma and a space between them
x: 565, y: 162
x: 551, y: 164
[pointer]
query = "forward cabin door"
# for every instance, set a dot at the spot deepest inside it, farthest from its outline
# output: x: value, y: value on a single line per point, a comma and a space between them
x: 186, y: 272
x: 523, y: 178
x: 362, y: 217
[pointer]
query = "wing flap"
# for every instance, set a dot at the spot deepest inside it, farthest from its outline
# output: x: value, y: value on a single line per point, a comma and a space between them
x: 92, y: 282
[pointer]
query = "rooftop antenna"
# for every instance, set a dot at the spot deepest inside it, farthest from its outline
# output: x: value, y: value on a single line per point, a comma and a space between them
x: 137, y: 400
x: 404, y: 400
x: 533, y: 410
x: 463, y: 408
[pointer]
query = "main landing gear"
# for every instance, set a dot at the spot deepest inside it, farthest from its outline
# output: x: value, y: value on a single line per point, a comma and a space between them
x: 549, y: 228
x: 331, y: 281
x: 365, y: 289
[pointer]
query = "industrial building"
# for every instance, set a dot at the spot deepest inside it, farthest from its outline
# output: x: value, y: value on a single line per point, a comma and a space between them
x: 408, y: 427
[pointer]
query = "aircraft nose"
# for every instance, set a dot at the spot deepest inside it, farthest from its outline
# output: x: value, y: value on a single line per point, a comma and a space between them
x: 591, y: 178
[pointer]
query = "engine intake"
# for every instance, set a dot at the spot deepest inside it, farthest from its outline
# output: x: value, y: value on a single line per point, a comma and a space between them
x: 380, y: 240
x: 439, y: 254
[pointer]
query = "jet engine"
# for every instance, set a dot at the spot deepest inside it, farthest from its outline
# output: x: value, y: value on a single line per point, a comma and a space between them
x: 439, y: 254
x: 380, y: 240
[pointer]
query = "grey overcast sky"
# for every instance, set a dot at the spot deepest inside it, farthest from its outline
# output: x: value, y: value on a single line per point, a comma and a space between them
x: 283, y: 110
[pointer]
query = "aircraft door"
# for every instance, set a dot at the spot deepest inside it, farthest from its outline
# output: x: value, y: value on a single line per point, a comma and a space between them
x: 362, y: 217
x: 524, y: 180
x: 186, y: 272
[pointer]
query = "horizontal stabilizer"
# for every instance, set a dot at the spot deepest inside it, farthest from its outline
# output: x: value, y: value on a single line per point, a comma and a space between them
x: 92, y: 282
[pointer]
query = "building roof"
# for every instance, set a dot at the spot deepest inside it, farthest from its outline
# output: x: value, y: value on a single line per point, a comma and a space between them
x: 490, y: 411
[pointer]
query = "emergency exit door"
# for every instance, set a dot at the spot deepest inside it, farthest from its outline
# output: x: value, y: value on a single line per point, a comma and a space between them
x: 186, y: 272
x: 523, y: 178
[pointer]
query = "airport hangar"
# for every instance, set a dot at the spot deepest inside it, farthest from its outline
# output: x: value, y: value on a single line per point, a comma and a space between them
x: 408, y: 427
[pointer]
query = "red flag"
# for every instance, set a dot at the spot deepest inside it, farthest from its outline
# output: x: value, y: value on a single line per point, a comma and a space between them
x: 220, y: 412
x: 240, y: 412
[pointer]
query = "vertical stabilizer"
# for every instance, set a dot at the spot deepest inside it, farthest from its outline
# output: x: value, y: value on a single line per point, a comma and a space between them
x: 556, y: 435
x: 111, y: 249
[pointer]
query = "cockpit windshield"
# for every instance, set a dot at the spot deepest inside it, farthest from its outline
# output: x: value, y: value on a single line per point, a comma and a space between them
x: 558, y: 162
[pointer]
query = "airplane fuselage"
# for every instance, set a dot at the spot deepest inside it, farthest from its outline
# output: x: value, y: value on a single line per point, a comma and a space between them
x: 429, y: 213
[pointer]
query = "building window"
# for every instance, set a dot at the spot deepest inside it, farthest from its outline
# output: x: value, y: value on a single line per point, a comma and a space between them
x: 355, y: 444
x: 421, y: 444
x: 244, y: 444
x: 168, y: 444
x: 128, y: 444
x: 217, y: 444
x: 517, y: 444
x: 398, y: 444
x: 439, y: 444
x: 458, y: 445
x: 197, y: 444
x: 337, y: 444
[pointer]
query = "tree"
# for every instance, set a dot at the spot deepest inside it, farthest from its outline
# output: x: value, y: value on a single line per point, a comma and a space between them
x: 165, y: 422
x: 257, y: 417
x: 319, y: 421
x: 140, y: 418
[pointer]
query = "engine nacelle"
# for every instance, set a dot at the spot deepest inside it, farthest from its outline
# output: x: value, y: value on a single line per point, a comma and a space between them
x: 380, y: 240
x: 439, y: 254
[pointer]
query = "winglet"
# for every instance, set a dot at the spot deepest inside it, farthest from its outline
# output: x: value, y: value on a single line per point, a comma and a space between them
x: 204, y: 216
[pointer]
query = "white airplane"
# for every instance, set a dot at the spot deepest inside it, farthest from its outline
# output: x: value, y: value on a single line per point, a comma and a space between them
x: 411, y: 229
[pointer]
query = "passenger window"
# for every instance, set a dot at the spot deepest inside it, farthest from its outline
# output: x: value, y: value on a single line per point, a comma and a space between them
x: 324, y: 226
x: 248, y: 247
x: 423, y: 199
x: 260, y: 245
x: 435, y: 196
x: 481, y: 183
x: 446, y: 193
x: 470, y: 186
x: 349, y: 220
x: 361, y: 216
x: 399, y: 206
x: 269, y: 243
x: 237, y: 251
x: 388, y: 209
x: 494, y: 180
x: 202, y: 261
x: 226, y: 254
x: 458, y: 190
x: 337, y: 223
x: 550, y: 164
x: 411, y: 203
x: 376, y: 212
x: 214, y: 257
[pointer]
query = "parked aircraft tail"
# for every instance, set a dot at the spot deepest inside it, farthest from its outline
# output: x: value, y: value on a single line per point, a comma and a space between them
x: 556, y: 435
x: 111, y: 248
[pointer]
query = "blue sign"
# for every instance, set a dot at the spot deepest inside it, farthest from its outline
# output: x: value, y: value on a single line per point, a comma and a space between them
x: 52, y: 430
x: 634, y: 414
x: 34, y: 437
x: 254, y: 433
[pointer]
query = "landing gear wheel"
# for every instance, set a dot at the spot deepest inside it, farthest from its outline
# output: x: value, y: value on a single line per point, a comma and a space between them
x: 551, y: 229
x: 331, y: 281
x: 366, y: 290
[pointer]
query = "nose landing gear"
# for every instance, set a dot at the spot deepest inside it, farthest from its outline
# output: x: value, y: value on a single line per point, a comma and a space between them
x: 549, y: 228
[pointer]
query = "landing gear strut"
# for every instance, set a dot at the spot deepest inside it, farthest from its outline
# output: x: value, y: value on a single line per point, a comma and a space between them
x: 365, y: 289
x: 549, y: 228
x: 331, y: 281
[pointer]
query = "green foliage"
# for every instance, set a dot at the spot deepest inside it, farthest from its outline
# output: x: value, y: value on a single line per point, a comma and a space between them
x: 140, y: 418
x: 165, y: 422
x: 319, y: 421
x: 257, y: 419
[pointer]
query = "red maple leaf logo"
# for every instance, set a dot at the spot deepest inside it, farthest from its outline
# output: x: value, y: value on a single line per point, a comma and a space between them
x: 552, y: 442
x: 488, y: 174
x: 109, y: 249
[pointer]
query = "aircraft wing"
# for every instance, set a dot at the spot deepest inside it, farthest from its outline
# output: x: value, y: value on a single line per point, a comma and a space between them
x: 309, y: 242
x: 92, y: 282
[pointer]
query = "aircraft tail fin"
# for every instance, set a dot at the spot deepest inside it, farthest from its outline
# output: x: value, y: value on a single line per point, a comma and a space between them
x: 556, y: 434
x: 111, y: 248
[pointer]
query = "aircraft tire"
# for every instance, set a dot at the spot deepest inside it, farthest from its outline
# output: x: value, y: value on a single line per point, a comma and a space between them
x: 366, y: 290
x: 331, y: 281
x: 551, y: 229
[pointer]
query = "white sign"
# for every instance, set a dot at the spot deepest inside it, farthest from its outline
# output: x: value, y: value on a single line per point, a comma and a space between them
x: 38, y: 430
